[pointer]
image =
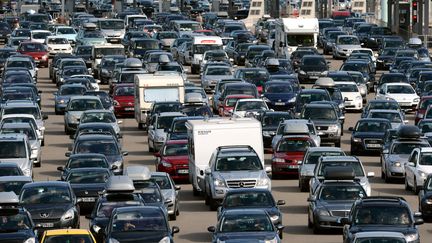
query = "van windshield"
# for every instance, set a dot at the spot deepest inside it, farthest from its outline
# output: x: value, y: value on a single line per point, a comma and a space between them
x: 100, y: 52
x: 200, y: 49
x: 161, y: 94
x: 300, y: 40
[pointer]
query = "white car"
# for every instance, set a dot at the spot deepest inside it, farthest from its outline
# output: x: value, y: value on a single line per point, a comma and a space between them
x: 367, y: 51
x: 418, y: 168
x: 40, y: 35
x: 403, y: 93
x: 93, y: 82
x: 103, y: 116
x: 58, y: 44
x: 246, y: 107
x: 352, y: 97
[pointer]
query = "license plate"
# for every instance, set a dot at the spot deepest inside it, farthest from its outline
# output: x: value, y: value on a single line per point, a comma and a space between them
x: 129, y: 109
x: 183, y: 171
x: 88, y: 199
x: 313, y: 77
x: 373, y: 145
x: 405, y: 104
x: 279, y: 103
x: 46, y: 225
x: 293, y: 166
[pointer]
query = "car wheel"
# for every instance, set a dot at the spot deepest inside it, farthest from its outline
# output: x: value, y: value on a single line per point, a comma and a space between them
x: 386, y: 178
x: 43, y: 142
x: 280, y: 234
x: 140, y: 126
x: 173, y: 216
x: 407, y: 187
x: 150, y: 149
x: 195, y: 192
x: 206, y: 199
x: 213, y: 204
x: 382, y: 175
x: 310, y: 224
x: 304, y: 187
x: 316, y: 229
x: 38, y: 164
x: 415, y: 187
x: 338, y: 143
x: 177, y: 211
x: 66, y: 130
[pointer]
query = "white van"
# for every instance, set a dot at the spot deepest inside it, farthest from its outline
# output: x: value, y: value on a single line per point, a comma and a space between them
x: 201, y: 44
x: 206, y: 135
x: 156, y: 87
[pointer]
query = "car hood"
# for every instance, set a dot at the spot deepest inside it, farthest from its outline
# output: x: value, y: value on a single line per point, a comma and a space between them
x: 342, y: 205
x: 167, y: 42
x: 94, y: 41
x: 246, y: 237
x: 236, y: 175
x: 168, y: 194
x: 216, y: 77
x: 307, y: 169
x: 403, y: 97
x: 377, y: 227
x: 113, y: 158
x: 68, y: 36
x: 177, y: 160
x: 398, y: 158
x: 290, y: 155
x: 281, y: 97
x: 138, y: 237
x: 21, y: 162
x: 386, y: 57
x: 54, y: 210
x: 369, y: 135
x: 74, y: 114
x: 58, y: 45
x: 349, y: 47
x: 313, y: 68
x: 178, y: 136
x: 323, y: 122
x: 16, y: 236
x: 86, y: 189
x: 37, y: 54
x: 125, y: 99
x: 111, y: 33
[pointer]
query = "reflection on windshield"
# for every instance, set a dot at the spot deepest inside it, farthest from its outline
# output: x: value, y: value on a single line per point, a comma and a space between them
x: 251, y: 199
x: 351, y: 193
x: 238, y: 163
x: 45, y: 195
x: 319, y: 114
x: 382, y: 215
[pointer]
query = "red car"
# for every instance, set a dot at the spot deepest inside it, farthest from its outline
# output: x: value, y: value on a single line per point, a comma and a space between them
x: 123, y: 97
x: 289, y: 151
x: 227, y: 105
x: 424, y: 103
x: 37, y: 50
x: 173, y: 159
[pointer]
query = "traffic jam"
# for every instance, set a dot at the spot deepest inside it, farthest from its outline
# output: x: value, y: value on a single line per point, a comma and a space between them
x: 145, y: 125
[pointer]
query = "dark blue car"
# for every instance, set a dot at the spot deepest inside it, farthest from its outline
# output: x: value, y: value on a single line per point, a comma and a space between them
x: 279, y: 95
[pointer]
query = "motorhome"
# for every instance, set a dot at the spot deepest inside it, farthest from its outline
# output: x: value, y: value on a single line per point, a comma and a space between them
x: 201, y: 44
x: 206, y: 135
x: 156, y: 87
x: 294, y: 32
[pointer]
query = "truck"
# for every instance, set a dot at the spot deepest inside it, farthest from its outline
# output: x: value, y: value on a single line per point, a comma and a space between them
x: 201, y: 44
x: 155, y: 87
x: 204, y: 136
x: 294, y: 32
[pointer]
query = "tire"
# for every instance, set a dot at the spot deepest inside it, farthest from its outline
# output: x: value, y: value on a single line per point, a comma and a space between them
x: 206, y: 199
x: 57, y: 112
x: 338, y: 143
x: 195, y: 192
x: 173, y: 216
x: 140, y: 126
x: 310, y: 224
x: 407, y: 187
x: 382, y: 175
x: 66, y: 130
x: 386, y: 178
x: 304, y: 187
x: 213, y: 204
x: 415, y: 187
x: 150, y: 149
x: 38, y: 165
x: 316, y: 229
x: 43, y: 142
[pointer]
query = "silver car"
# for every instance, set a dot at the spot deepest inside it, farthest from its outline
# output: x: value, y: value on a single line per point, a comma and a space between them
x: 344, y: 45
x: 76, y: 106
x: 15, y: 148
x: 104, y: 116
x: 158, y: 129
x: 213, y: 74
x: 282, y: 130
x: 170, y: 192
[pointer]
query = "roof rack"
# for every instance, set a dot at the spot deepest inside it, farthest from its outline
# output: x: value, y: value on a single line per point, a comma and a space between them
x: 339, y: 173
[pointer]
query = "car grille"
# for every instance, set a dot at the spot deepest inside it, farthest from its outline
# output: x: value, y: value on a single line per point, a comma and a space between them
x: 373, y: 141
x: 60, y: 49
x: 241, y: 183
x: 339, y: 213
x: 322, y: 128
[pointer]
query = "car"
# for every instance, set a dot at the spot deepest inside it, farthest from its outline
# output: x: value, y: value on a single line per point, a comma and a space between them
x: 76, y: 106
x: 380, y: 213
x: 380, y: 105
x: 22, y: 62
x: 96, y: 128
x: 311, y: 67
x: 279, y: 95
x: 84, y: 160
x: 36, y: 50
x: 385, y: 58
x: 306, y: 96
x: 106, y: 66
x: 178, y: 130
x: 233, y: 167
x: 104, y: 116
x: 245, y: 225
x: 11, y: 169
x: 270, y: 121
x: 13, y: 183
x: 362, y: 66
x: 424, y: 198
x: 94, y: 83
x: 82, y: 51
x: 395, y: 237
x: 395, y: 155
x: 403, y: 93
x: 253, y: 198
x: 173, y: 159
x: 214, y: 74
x: 170, y: 192
x: 68, y: 235
x: 396, y: 118
x: 310, y: 159
x: 249, y: 107
x: 16, y: 148
x: 344, y: 45
x: 333, y: 198
x: 105, y: 144
x: 63, y: 95
x: 24, y: 118
x: 13, y: 42
x: 158, y: 129
x: 418, y: 168
x: 52, y: 204
x: 90, y: 37
x: 67, y: 32
x: 341, y: 161
x: 57, y: 44
x: 295, y: 127
x: 123, y: 99
x: 351, y: 95
x: 127, y: 223
x: 367, y: 134
x: 18, y: 93
x: 164, y: 106
x: 17, y: 224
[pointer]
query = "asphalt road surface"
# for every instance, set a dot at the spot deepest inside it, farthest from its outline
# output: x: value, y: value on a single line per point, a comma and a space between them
x: 195, y: 217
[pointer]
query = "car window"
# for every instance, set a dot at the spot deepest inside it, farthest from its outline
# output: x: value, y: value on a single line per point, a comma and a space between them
x: 382, y: 215
x: 236, y: 163
x: 49, y: 194
x: 250, y: 199
x: 314, y: 156
x: 343, y: 193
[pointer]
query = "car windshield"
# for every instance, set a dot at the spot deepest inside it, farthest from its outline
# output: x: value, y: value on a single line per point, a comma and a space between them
x: 389, y: 52
x: 105, y: 117
x: 33, y: 47
x: 407, y: 148
x: 102, y: 147
x: 314, y: 61
x: 231, y: 102
x: 392, y: 117
x: 351, y: 193
x: 250, y: 199
x: 85, y: 104
x: 146, y: 45
x: 274, y: 119
x: 25, y: 64
x: 308, y: 98
x: 23, y: 110
x: 12, y: 186
x: 163, y: 182
x: 167, y: 35
x: 160, y: 108
x: 88, y: 177
x: 74, y: 71
x: 29, y: 132
x: 358, y: 67
x: 347, y: 87
x: 383, y: 106
x: 68, y: 238
x: 279, y: 88
x: 93, y: 34
x: 164, y: 122
x: 218, y: 71
x: 105, y: 209
x: 356, y: 166
x: 65, y: 31
x: 400, y: 89
x: 314, y: 156
x: 382, y: 215
x: 348, y: 41
x: 138, y: 221
x: 426, y: 159
x: 150, y: 194
x: 291, y: 145
x: 111, y: 25
x: 16, y: 222
x: 370, y: 126
x: 393, y: 79
x: 75, y: 163
x: 109, y: 63
x: 15, y: 95
x: 72, y: 90
x: 11, y: 149
x: 175, y: 150
x: 250, y: 105
x: 58, y: 41
x: 237, y: 163
x: 49, y: 194
x: 83, y: 50
x: 319, y: 113
x: 100, y: 52
x: 201, y: 49
x: 125, y: 91
x: 245, y: 223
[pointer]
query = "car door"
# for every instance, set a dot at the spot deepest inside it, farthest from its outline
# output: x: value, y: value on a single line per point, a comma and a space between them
x: 410, y: 167
x: 152, y: 128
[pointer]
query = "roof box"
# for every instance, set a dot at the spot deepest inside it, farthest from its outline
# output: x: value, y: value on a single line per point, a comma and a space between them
x: 324, y: 82
x: 138, y: 173
x: 8, y: 198
x: 194, y: 98
x: 89, y: 26
x: 296, y: 128
x: 132, y: 63
x: 408, y: 132
x: 119, y: 184
x: 339, y: 173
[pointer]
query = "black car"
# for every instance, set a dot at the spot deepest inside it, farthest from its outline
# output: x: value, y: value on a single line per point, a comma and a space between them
x: 239, y: 54
x: 5, y: 53
x: 253, y: 198
x: 10, y: 169
x: 279, y: 95
x: 85, y: 160
x: 385, y: 58
x: 390, y: 78
x: 5, y: 31
x: 307, y: 96
x: 367, y: 135
x: 95, y: 128
x: 16, y: 224
x: 425, y: 199
x: 297, y: 55
x: 85, y: 52
x: 382, y: 214
x: 178, y: 130
x: 375, y: 36
x: 270, y: 121
x: 52, y: 205
x: 311, y: 67
x: 105, y: 98
x: 380, y: 105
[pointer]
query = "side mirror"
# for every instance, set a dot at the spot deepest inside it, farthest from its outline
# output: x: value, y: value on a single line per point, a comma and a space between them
x: 68, y: 154
x: 208, y: 171
x: 157, y: 155
x: 311, y: 198
x: 268, y: 169
x: 280, y: 227
x: 125, y: 153
x: 60, y: 168
x: 280, y: 202
x: 370, y: 174
x: 211, y: 229
x: 44, y: 116
x: 351, y: 129
x: 114, y: 167
x: 177, y: 188
x: 345, y: 221
x: 98, y: 81
x: 411, y: 164
x: 385, y: 151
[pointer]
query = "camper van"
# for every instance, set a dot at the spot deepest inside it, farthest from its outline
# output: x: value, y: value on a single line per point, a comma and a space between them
x: 201, y: 44
x: 99, y: 51
x: 156, y: 87
x: 294, y: 32
x: 206, y: 135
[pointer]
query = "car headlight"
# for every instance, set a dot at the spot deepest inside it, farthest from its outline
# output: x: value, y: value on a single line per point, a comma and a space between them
x: 220, y: 241
x: 118, y: 163
x: 302, y: 72
x: 428, y: 201
x: 372, y: 39
x: 263, y: 182
x: 397, y: 164
x: 166, y: 164
x: 341, y: 105
x: 359, y: 98
x: 30, y: 240
x: 333, y: 128
x: 422, y: 174
x: 324, y: 73
x: 267, y: 134
x: 274, y: 240
x: 357, y: 140
x: 44, y: 57
x: 61, y: 101
x: 278, y: 160
x: 96, y: 228
x: 322, y: 212
x: 274, y: 217
x: 166, y: 239
x: 70, y: 214
x: 112, y: 240
x: 411, y: 237
x: 292, y: 100
x: 219, y: 182
x: 160, y: 138
x: 416, y: 100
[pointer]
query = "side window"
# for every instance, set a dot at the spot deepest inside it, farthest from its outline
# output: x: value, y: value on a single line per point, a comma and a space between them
x: 414, y: 157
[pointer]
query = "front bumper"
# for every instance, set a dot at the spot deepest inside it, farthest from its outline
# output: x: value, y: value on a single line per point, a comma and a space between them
x: 177, y: 172
x: 395, y: 172
x: 284, y: 168
x: 124, y: 110
x: 327, y: 222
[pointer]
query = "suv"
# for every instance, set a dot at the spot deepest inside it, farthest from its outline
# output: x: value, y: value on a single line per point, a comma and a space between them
x: 15, y: 148
x: 295, y: 127
x: 381, y: 214
x: 418, y: 168
x: 233, y: 167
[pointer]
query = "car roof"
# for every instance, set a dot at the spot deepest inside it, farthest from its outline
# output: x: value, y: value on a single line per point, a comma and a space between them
x: 340, y: 158
x: 15, y: 178
x: 182, y: 141
x: 373, y: 120
x: 84, y: 155
x: 165, y: 114
x: 47, y: 183
x: 67, y: 232
x: 12, y: 137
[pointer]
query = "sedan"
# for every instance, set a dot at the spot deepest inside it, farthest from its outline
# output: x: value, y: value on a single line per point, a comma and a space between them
x: 65, y: 92
x: 173, y: 159
x: 170, y: 193
x: 123, y: 97
x: 214, y: 74
x: 367, y: 135
x: 36, y: 50
x: 103, y: 116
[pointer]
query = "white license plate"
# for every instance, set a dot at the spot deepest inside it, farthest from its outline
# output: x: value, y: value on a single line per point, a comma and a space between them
x: 293, y: 166
x: 313, y: 77
x: 88, y: 199
x: 405, y: 104
x: 46, y: 225
x: 129, y: 109
x: 279, y: 103
x: 373, y: 145
x: 183, y: 171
